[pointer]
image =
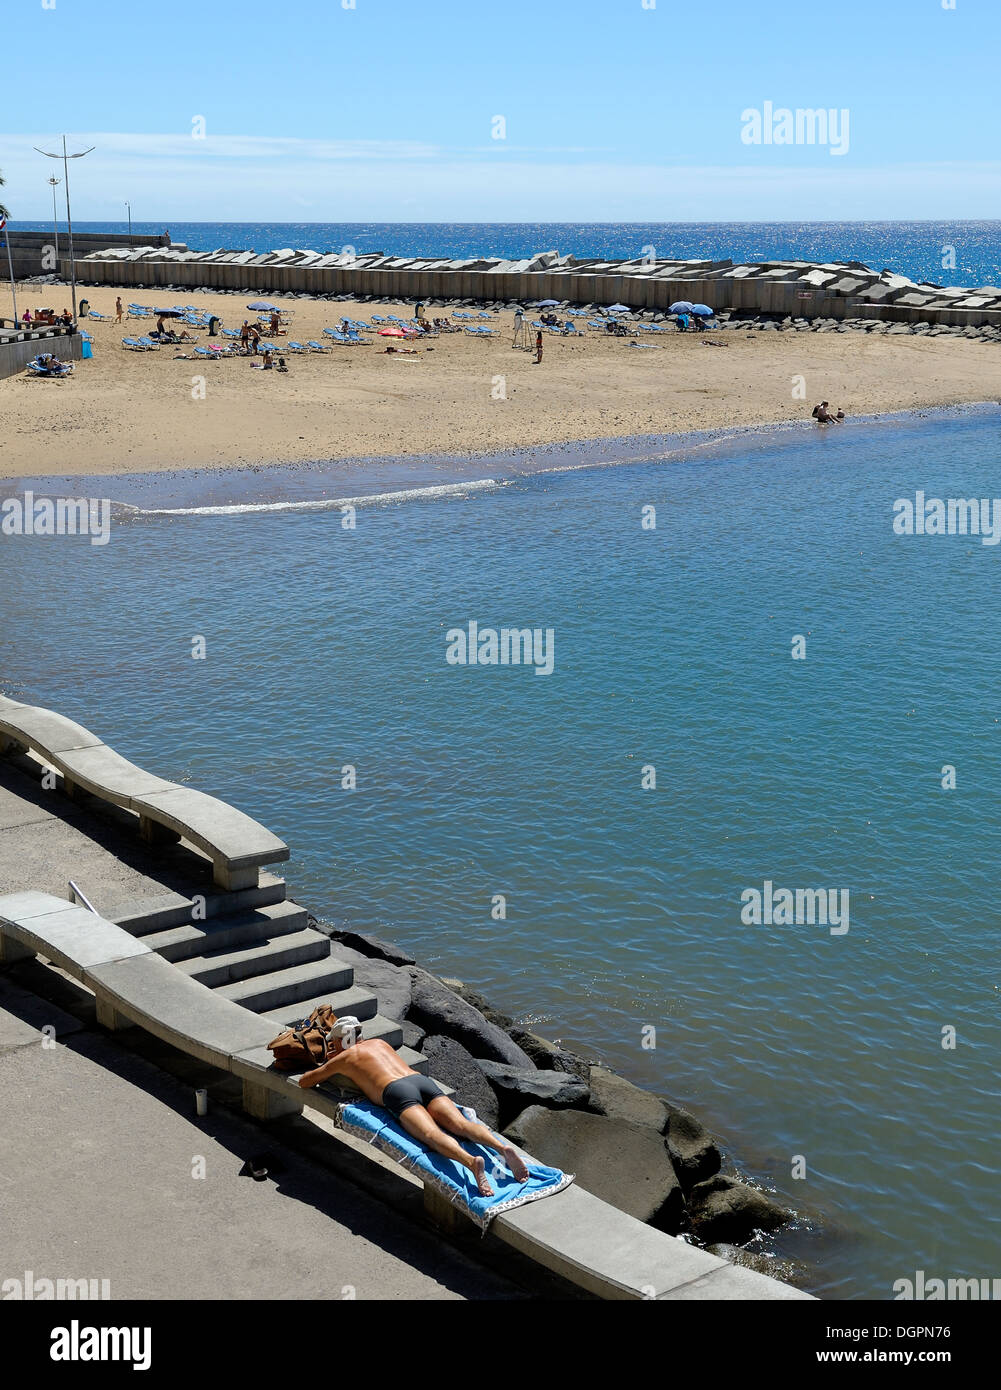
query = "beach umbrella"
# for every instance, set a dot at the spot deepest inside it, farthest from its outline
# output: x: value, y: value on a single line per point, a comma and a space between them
x: 683, y: 306
x: 548, y: 304
x: 169, y: 313
x: 262, y: 306
x: 391, y: 333
x: 617, y: 309
x: 703, y: 311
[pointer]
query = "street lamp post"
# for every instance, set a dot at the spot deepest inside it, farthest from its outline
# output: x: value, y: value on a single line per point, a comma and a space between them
x: 69, y: 220
x: 129, y: 206
x: 55, y: 218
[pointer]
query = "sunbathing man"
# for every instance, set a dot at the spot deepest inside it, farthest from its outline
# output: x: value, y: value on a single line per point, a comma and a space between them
x: 417, y: 1102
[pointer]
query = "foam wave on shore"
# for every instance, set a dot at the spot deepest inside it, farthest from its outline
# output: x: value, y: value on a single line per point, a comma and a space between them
x: 424, y: 494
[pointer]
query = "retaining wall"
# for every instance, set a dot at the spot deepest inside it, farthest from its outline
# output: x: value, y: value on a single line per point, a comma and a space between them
x: 750, y: 294
x: 16, y: 353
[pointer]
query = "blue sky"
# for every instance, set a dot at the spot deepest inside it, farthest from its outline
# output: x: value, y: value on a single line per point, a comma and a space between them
x: 613, y: 110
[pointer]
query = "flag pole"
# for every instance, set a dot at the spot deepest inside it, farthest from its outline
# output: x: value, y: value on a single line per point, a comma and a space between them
x: 10, y: 267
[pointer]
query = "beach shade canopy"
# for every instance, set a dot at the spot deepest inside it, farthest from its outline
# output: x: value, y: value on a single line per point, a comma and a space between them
x: 683, y: 306
x: 169, y: 313
x: 703, y: 311
x: 264, y: 307
x: 391, y: 333
x: 617, y: 309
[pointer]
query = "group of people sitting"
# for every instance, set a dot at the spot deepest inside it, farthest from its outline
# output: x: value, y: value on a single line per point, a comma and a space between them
x: 823, y: 414
x: 48, y: 318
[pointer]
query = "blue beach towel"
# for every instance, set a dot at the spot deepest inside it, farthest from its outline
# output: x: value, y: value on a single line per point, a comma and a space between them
x: 376, y: 1126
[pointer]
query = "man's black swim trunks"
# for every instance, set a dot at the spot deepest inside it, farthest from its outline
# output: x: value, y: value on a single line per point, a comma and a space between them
x: 409, y: 1090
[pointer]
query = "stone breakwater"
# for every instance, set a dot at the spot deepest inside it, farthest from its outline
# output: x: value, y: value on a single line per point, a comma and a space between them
x: 835, y: 290
x: 635, y: 1150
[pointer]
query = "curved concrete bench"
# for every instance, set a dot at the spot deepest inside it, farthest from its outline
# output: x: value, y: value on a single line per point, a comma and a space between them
x: 573, y: 1233
x: 237, y: 845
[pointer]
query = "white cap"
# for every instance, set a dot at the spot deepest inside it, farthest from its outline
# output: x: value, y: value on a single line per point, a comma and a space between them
x: 347, y: 1028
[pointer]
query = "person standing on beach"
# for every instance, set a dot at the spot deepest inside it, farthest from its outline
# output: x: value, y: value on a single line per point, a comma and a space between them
x: 245, y: 336
x: 538, y: 348
x: 519, y: 319
x: 255, y: 339
x: 118, y: 309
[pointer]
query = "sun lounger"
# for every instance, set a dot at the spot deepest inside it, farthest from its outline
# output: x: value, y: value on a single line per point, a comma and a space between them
x: 378, y: 318
x: 101, y: 318
x: 205, y: 352
x: 290, y: 346
x: 134, y: 344
x: 149, y: 344
x: 231, y: 333
x: 314, y: 346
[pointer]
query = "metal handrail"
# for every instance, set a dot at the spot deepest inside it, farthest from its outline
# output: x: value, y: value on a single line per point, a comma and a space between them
x: 79, y: 893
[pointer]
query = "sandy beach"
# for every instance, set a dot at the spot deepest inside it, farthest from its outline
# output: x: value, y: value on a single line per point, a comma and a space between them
x: 141, y: 412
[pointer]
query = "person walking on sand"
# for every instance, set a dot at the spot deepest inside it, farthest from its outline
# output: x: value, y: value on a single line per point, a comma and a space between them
x: 538, y: 348
x: 119, y: 310
x: 417, y: 1102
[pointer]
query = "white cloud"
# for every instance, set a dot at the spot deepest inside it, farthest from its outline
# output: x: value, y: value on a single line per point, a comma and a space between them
x: 172, y: 177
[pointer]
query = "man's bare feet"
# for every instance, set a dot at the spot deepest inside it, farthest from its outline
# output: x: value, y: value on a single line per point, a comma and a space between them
x: 516, y: 1163
x: 480, y: 1174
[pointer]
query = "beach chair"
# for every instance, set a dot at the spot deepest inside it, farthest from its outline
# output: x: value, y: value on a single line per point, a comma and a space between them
x: 101, y: 318
x: 206, y: 352
x: 231, y: 333
x: 483, y: 314
x: 149, y: 344
x: 290, y: 346
x: 134, y: 344
x: 378, y: 318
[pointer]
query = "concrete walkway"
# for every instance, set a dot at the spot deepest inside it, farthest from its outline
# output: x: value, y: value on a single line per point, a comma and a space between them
x: 99, y: 1152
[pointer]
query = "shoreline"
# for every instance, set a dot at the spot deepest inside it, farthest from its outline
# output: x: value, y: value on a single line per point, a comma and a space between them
x: 458, y: 398
x: 284, y: 485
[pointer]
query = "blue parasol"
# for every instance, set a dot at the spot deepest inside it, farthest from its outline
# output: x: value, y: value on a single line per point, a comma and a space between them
x: 683, y: 306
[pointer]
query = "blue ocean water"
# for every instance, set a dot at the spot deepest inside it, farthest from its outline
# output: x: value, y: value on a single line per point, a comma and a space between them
x: 326, y: 647
x: 920, y: 250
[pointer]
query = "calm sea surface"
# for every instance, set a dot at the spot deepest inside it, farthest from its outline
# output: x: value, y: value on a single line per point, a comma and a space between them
x: 945, y: 253
x: 326, y: 647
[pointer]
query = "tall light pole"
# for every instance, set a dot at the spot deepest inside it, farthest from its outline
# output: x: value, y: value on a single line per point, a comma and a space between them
x: 69, y: 220
x: 55, y: 219
x: 129, y: 206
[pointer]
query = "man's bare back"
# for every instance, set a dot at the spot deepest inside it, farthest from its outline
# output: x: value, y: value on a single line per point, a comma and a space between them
x: 420, y: 1106
x: 370, y: 1063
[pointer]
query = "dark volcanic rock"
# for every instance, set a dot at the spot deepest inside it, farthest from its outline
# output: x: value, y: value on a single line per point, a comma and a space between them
x: 693, y: 1153
x: 389, y: 983
x: 369, y: 945
x: 517, y: 1089
x: 491, y: 1014
x: 621, y: 1163
x: 438, y: 1009
x: 412, y: 1035
x: 726, y: 1209
x: 450, y: 1063
x: 614, y: 1096
x: 550, y: 1057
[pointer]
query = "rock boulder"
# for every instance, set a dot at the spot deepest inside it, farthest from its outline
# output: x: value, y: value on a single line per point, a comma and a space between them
x: 623, y: 1164
x: 438, y: 1009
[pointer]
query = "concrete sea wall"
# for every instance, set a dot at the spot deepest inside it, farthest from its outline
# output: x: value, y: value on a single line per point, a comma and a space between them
x: 800, y: 289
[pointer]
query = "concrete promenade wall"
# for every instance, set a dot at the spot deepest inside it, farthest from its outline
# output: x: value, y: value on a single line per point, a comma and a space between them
x: 27, y: 249
x: 750, y: 294
x: 15, y: 354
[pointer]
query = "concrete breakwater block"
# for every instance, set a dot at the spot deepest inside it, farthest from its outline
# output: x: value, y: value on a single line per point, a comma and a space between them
x: 623, y: 1164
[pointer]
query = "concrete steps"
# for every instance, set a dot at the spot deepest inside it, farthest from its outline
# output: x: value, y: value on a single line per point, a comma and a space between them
x: 353, y: 999
x: 224, y: 966
x: 288, y: 986
x: 231, y: 932
x: 144, y: 915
